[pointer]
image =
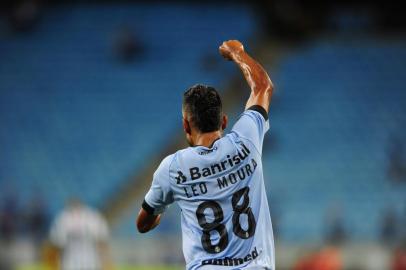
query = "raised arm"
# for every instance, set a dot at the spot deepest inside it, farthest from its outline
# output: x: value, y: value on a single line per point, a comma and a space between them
x: 257, y: 78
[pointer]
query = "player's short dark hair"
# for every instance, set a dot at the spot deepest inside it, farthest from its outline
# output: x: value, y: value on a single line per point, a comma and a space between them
x: 203, y: 103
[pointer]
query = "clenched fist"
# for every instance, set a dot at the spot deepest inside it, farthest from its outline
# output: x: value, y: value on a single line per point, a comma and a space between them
x: 230, y: 48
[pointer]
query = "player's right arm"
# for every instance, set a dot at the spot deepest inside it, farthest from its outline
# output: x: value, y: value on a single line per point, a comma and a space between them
x: 255, y: 75
x: 253, y: 122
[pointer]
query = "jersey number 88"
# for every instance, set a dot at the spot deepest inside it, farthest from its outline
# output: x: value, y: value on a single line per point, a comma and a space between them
x: 216, y: 224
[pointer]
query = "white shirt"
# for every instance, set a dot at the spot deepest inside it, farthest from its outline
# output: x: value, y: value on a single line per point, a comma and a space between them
x: 77, y: 232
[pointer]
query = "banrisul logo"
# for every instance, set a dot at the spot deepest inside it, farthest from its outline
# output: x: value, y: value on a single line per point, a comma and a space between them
x: 181, y: 178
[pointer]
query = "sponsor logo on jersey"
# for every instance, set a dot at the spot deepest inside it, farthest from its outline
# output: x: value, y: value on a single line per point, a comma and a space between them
x: 229, y: 261
x: 207, y: 151
x: 230, y: 161
x: 181, y: 178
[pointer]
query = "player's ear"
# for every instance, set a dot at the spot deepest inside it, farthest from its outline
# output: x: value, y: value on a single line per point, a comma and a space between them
x: 224, y: 122
x: 186, y: 126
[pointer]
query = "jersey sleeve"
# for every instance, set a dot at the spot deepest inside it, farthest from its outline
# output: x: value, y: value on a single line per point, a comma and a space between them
x: 160, y: 194
x: 58, y: 232
x: 252, y: 125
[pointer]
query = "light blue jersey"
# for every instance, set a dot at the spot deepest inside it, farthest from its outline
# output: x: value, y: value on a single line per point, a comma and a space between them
x: 220, y: 190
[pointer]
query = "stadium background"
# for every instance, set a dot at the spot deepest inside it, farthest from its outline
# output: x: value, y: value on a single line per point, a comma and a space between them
x: 90, y: 100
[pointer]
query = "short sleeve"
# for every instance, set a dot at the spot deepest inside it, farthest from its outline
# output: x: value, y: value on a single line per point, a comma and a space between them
x: 252, y: 125
x: 160, y: 194
x: 58, y: 232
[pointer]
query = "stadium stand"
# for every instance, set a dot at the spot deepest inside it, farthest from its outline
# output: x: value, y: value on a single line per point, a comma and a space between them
x: 339, y: 104
x: 74, y: 120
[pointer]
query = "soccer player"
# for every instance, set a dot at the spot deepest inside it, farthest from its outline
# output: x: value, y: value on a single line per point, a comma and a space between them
x: 218, y: 181
x: 79, y: 237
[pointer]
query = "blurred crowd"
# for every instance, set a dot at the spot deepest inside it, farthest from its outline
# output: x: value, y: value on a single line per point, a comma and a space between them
x: 31, y: 220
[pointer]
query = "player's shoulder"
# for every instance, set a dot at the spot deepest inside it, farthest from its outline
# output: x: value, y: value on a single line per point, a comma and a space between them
x: 61, y: 218
x: 180, y: 154
x: 170, y: 161
x: 166, y: 162
x: 165, y: 173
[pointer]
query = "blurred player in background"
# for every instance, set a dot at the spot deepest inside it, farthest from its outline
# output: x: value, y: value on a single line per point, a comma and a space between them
x: 79, y: 236
x: 218, y: 181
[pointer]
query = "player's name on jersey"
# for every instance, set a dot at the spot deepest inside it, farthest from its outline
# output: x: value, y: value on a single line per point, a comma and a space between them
x: 196, y: 189
x: 239, y: 175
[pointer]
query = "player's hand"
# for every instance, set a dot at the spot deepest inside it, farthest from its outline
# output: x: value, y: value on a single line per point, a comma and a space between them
x: 231, y: 48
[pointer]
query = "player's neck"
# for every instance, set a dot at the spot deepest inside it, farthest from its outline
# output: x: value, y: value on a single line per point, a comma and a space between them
x: 207, y: 139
